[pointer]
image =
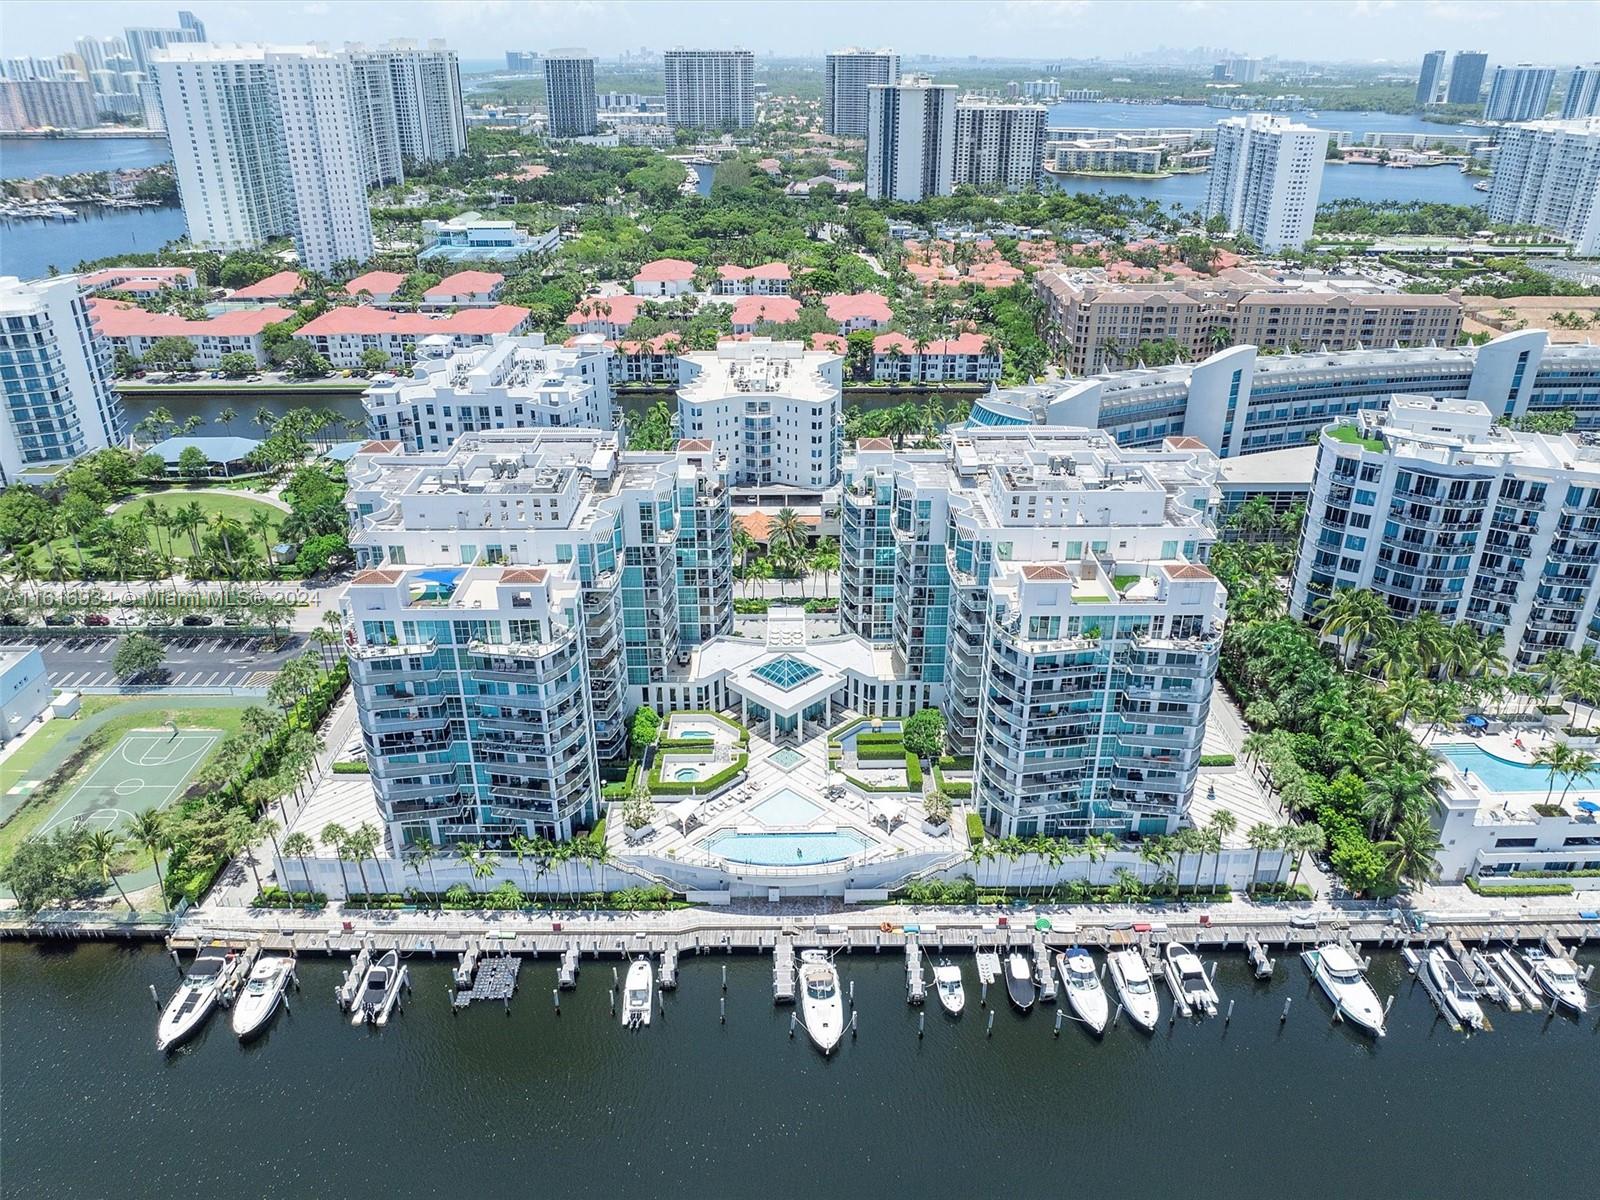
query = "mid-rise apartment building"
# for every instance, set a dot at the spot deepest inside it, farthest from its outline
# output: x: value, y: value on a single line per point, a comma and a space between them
x: 1437, y: 507
x: 1050, y: 585
x: 1266, y: 176
x: 773, y: 409
x: 999, y: 143
x: 516, y: 383
x: 55, y: 377
x: 847, y: 76
x: 1101, y: 325
x: 1547, y: 173
x: 911, y: 139
x: 710, y: 89
x: 569, y: 93
x: 1519, y: 93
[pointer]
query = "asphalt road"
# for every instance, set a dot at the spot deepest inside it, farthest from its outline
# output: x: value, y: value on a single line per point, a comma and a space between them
x: 201, y: 660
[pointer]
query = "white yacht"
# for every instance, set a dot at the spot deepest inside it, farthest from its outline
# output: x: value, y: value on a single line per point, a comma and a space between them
x: 262, y: 993
x: 1339, y: 974
x: 1558, y: 979
x: 1020, y: 984
x: 821, y: 1005
x: 947, y: 984
x: 638, y: 994
x: 1456, y: 992
x: 380, y: 990
x: 1084, y: 993
x: 1135, y: 989
x: 1186, y: 976
x: 196, y: 996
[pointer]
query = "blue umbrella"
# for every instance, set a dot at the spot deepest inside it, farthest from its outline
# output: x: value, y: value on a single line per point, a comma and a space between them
x: 1588, y: 806
x: 1478, y: 721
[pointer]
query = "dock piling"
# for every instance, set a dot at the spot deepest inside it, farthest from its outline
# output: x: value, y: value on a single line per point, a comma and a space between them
x: 989, y: 1029
x: 154, y: 995
x: 555, y: 994
x: 724, y: 976
x: 794, y: 1019
x: 853, y: 1015
x: 921, y: 1017
x: 1284, y: 1015
x: 1056, y: 1032
x: 722, y: 1007
x: 1229, y: 1017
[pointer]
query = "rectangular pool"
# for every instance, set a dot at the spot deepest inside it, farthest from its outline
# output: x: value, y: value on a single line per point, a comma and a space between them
x: 1502, y: 775
x: 785, y: 849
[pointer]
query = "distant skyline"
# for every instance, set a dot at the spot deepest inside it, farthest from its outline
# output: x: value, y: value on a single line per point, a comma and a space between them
x: 1549, y: 32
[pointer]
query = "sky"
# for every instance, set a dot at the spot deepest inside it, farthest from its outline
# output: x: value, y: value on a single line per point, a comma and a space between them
x: 1552, y: 32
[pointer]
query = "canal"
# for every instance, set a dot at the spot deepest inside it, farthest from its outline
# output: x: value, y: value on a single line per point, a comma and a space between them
x: 532, y: 1103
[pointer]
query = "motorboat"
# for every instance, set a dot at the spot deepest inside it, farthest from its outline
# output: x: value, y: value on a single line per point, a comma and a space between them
x: 1187, y: 978
x: 1135, y: 989
x: 638, y: 994
x: 263, y: 992
x: 1084, y: 993
x: 1339, y: 974
x: 821, y: 1004
x: 196, y: 996
x: 1558, y: 979
x: 380, y: 989
x: 1020, y: 985
x: 1455, y: 990
x: 947, y: 985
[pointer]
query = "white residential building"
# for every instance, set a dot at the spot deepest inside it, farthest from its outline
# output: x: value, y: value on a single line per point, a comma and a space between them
x: 1049, y: 585
x: 55, y: 377
x: 265, y: 142
x: 1547, y: 173
x: 408, y: 101
x: 516, y: 383
x: 1582, y: 97
x: 569, y: 93
x: 911, y: 140
x: 1436, y: 507
x: 846, y: 77
x: 772, y: 408
x: 999, y: 142
x: 1266, y: 176
x: 1519, y: 93
x: 24, y: 689
x: 710, y: 89
x: 344, y: 335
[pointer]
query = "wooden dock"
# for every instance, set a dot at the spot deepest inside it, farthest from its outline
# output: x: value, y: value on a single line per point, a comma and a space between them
x: 668, y: 977
x: 916, y: 986
x: 567, y: 975
x: 783, y: 971
x: 1042, y: 973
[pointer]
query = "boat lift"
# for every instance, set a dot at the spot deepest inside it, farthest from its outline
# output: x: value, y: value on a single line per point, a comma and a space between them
x: 916, y: 986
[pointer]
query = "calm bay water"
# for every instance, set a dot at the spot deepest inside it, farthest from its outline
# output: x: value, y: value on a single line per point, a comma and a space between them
x: 29, y: 158
x: 28, y: 249
x: 534, y: 1104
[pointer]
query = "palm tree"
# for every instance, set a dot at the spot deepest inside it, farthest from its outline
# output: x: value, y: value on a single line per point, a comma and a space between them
x: 298, y: 845
x: 1303, y: 840
x: 470, y: 853
x: 260, y: 524
x: 367, y: 839
x: 1579, y: 764
x: 1412, y: 850
x: 523, y: 847
x: 423, y: 851
x: 100, y: 852
x: 1355, y: 617
x: 148, y: 829
x: 1222, y: 825
x: 1556, y: 758
x: 787, y: 531
x: 1156, y: 852
x: 1397, y: 794
x: 333, y: 837
x: 1098, y: 846
x: 1259, y: 837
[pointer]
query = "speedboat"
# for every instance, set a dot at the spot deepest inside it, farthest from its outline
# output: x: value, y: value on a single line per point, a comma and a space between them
x: 1339, y: 974
x: 821, y: 1005
x: 1135, y: 989
x: 379, y: 991
x: 262, y: 993
x: 638, y: 992
x: 1558, y: 979
x: 1084, y: 993
x: 947, y: 985
x: 1019, y: 982
x: 196, y: 996
x: 1456, y: 992
x: 1186, y: 976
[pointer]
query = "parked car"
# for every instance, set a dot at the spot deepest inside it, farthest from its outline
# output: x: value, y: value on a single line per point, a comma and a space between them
x: 97, y: 619
x: 233, y: 618
x: 60, y: 619
x: 11, y: 618
x: 252, y: 379
x: 197, y: 619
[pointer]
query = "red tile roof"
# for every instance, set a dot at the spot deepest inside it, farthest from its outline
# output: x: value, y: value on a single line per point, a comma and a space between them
x: 1046, y: 571
x: 137, y: 279
x: 695, y: 445
x: 379, y: 448
x: 523, y: 575
x: 758, y: 524
x: 965, y: 343
x: 379, y: 575
x: 655, y: 345
x: 1186, y: 571
x: 379, y: 283
x: 663, y: 270
x: 464, y: 283
x: 502, y: 318
x: 118, y: 318
x: 1185, y: 443
x: 274, y: 287
x: 874, y: 443
x: 771, y: 270
x: 863, y: 304
x: 748, y: 310
x: 829, y: 341
x: 619, y: 310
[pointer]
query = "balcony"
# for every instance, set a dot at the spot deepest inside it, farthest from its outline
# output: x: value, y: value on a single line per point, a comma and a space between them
x: 367, y: 653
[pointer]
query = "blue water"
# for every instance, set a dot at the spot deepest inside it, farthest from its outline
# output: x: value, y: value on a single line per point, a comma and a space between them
x: 784, y: 849
x: 696, y: 734
x: 1502, y: 775
x: 704, y: 172
x: 30, y: 248
x: 29, y: 158
x: 1193, y: 116
x: 786, y: 807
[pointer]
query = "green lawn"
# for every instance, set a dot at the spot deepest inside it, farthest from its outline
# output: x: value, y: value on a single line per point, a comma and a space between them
x: 1351, y: 436
x: 59, y: 756
x: 236, y: 507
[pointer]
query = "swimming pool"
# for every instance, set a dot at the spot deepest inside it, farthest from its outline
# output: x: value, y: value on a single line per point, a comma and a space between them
x: 786, y: 807
x: 689, y: 767
x: 1502, y: 775
x: 785, y: 849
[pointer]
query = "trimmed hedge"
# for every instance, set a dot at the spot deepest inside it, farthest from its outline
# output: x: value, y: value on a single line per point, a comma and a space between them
x: 621, y: 789
x: 951, y: 763
x: 880, y: 751
x: 672, y: 787
x: 975, y: 830
x: 878, y: 739
x: 1519, y: 889
x: 956, y: 789
x: 273, y: 896
x: 863, y: 785
x: 1217, y: 760
x: 913, y: 772
x: 350, y: 768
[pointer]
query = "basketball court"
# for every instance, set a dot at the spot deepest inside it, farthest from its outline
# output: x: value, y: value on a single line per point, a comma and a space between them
x: 146, y: 769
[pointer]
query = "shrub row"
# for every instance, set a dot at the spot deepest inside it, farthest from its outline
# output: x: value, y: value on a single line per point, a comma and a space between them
x: 1520, y: 889
x: 880, y: 750
x: 913, y: 773
x: 956, y: 789
x: 672, y: 787
x: 350, y: 768
x: 975, y: 830
x: 1217, y: 760
x: 273, y: 896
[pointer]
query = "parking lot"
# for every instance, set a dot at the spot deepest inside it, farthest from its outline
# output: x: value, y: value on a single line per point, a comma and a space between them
x: 198, y: 661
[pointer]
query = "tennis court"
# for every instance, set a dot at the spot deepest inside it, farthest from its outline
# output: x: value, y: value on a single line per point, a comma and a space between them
x: 146, y: 769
